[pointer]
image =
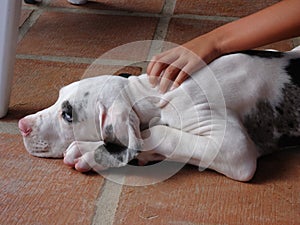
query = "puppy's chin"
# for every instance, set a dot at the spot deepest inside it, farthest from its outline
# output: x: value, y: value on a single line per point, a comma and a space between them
x: 44, y: 151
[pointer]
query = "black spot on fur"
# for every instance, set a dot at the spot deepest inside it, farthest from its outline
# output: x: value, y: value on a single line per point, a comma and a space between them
x: 112, y: 155
x: 86, y: 94
x: 109, y: 132
x: 113, y: 148
x: 263, y: 54
x: 293, y: 69
x: 273, y: 129
x: 125, y: 75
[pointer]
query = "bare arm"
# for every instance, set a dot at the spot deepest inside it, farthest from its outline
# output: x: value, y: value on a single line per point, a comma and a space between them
x: 277, y: 22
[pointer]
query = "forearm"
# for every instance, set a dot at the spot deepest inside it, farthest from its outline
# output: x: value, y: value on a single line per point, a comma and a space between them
x: 275, y: 23
x: 278, y: 22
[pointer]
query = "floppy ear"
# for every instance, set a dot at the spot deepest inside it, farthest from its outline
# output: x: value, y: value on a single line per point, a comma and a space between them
x: 120, y: 125
x: 102, y: 117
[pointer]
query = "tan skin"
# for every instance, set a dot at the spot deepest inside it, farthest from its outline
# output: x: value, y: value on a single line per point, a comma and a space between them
x: 275, y: 23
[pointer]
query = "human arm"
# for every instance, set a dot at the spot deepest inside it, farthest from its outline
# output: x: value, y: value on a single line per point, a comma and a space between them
x: 277, y: 22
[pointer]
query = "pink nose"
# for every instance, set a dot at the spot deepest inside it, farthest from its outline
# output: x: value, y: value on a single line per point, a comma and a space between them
x: 25, y: 127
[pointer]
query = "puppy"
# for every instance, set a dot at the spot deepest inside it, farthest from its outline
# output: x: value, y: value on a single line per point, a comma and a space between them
x: 224, y: 117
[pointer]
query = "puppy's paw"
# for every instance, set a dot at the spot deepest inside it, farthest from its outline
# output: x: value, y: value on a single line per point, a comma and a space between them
x: 87, y: 162
x: 77, y: 150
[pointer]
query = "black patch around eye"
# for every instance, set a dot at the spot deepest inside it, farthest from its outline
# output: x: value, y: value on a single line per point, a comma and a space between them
x: 67, y: 111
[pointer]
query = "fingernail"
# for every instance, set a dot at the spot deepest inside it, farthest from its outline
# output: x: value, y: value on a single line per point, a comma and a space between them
x: 161, y: 91
x: 152, y: 81
x: 174, y: 86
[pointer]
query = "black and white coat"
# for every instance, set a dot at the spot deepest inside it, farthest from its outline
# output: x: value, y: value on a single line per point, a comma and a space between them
x: 223, y: 117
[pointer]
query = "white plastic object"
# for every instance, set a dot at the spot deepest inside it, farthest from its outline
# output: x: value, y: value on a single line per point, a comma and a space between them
x: 10, y: 11
x: 78, y: 2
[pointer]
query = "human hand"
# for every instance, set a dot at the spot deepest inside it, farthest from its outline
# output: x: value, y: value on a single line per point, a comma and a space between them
x: 172, y: 67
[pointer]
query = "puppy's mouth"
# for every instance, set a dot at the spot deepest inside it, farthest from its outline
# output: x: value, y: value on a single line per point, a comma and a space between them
x: 36, y: 146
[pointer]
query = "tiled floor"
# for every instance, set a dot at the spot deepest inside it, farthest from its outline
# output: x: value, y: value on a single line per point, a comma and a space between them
x: 57, y: 44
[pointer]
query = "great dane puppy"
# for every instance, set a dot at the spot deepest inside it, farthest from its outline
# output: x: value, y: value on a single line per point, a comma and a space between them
x: 224, y: 117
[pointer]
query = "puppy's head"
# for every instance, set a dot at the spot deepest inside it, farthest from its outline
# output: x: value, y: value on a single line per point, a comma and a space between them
x: 74, y: 116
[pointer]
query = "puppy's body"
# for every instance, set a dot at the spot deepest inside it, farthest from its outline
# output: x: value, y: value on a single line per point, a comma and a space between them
x: 212, y: 120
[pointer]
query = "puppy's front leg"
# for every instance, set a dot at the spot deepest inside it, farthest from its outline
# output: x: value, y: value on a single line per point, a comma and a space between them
x: 233, y: 154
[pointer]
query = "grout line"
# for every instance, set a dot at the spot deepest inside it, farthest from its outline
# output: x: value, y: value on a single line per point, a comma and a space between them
x: 30, y: 21
x: 101, y: 12
x: 203, y: 17
x: 107, y: 203
x: 296, y: 42
x: 162, y: 29
x: 46, y: 2
x: 9, y: 127
x: 51, y: 58
x: 68, y: 59
x: 81, y: 60
x: 33, y: 17
x: 159, y: 36
x: 169, y: 7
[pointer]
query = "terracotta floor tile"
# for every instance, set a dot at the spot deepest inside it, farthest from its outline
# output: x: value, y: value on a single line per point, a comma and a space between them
x: 154, y: 6
x: 36, y: 83
x: 183, y: 30
x: 232, y: 8
x: 42, y: 191
x: 191, y: 197
x: 87, y: 35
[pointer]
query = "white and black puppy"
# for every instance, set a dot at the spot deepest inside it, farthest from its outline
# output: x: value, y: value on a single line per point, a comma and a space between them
x: 223, y: 117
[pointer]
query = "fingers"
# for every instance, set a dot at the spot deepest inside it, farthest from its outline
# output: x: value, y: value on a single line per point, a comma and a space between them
x: 172, y: 68
x: 167, y: 77
x: 182, y: 76
x: 158, y: 64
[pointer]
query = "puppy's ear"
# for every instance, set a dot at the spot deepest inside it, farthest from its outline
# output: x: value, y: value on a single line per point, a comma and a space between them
x: 122, y: 126
x: 102, y: 119
x: 119, y: 124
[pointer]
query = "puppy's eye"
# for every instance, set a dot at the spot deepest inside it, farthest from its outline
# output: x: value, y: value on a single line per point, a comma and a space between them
x: 67, y: 111
x: 67, y: 117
